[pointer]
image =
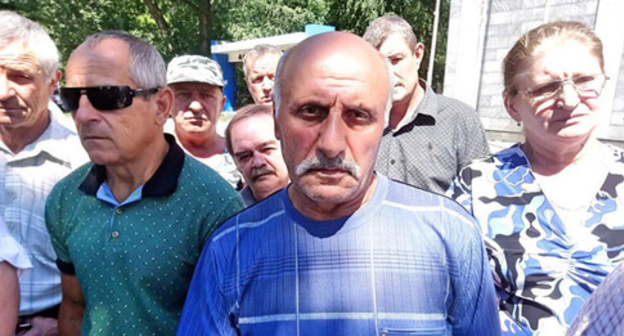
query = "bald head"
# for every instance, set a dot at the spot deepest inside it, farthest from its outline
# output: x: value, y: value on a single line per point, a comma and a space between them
x: 333, y: 54
x: 331, y: 108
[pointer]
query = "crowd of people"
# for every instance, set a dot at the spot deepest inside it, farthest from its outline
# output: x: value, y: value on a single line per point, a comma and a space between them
x: 348, y: 199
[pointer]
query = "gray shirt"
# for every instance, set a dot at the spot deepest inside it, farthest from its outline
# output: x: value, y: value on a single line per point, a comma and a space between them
x: 248, y: 196
x: 443, y: 136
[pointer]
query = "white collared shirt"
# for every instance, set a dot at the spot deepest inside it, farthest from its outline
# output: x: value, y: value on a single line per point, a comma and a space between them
x: 26, y: 179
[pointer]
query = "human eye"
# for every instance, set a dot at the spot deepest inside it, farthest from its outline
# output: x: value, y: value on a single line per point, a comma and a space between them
x: 19, y: 77
x: 312, y: 112
x: 585, y: 82
x: 207, y: 96
x: 268, y: 149
x: 182, y: 95
x: 256, y: 79
x: 359, y: 117
x: 545, y: 90
x: 243, y: 157
x: 395, y: 59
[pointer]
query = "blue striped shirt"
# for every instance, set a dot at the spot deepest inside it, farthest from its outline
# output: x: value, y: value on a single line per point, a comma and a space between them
x: 407, y: 262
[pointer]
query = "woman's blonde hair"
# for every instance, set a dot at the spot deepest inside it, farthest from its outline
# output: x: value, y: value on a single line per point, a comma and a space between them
x: 520, y: 55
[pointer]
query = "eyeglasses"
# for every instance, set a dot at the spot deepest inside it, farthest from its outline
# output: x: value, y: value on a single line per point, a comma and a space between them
x: 104, y: 98
x: 586, y: 86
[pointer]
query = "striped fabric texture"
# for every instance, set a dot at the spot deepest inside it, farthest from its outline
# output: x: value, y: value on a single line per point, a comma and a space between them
x: 408, y: 262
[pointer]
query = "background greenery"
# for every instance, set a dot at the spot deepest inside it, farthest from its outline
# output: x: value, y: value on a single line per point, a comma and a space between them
x: 186, y: 26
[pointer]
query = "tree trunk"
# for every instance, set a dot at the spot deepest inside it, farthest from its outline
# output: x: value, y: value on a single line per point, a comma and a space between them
x: 205, y: 27
x: 162, y: 24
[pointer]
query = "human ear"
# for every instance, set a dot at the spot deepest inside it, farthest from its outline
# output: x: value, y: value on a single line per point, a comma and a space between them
x: 164, y: 103
x: 510, y: 105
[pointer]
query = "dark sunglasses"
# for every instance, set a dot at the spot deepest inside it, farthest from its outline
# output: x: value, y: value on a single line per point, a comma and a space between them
x: 104, y: 98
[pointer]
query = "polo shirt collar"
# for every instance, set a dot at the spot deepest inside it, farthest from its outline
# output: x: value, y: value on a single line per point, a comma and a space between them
x: 163, y: 183
x: 428, y: 106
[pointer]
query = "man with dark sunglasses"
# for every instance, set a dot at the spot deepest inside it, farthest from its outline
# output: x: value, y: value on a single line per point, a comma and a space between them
x: 128, y: 229
x: 36, y: 150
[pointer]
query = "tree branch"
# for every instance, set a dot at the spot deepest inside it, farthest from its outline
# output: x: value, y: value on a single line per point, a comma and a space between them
x: 158, y: 17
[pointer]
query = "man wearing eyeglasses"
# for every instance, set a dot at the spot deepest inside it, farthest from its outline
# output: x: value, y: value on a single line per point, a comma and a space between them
x: 429, y: 137
x: 37, y: 149
x: 128, y: 229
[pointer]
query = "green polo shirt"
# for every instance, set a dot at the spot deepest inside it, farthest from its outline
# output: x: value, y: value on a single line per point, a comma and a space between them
x: 135, y: 260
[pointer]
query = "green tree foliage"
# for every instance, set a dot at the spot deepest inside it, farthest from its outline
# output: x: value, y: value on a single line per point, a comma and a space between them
x: 245, y: 19
x: 354, y: 15
x: 186, y: 26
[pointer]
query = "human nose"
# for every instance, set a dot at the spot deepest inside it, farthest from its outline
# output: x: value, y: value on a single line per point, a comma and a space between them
x: 267, y: 83
x: 332, y: 136
x: 257, y: 160
x: 568, y: 96
x: 85, y: 111
x: 195, y: 105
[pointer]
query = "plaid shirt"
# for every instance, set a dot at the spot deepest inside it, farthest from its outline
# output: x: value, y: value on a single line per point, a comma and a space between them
x: 26, y: 178
x: 11, y: 252
x: 602, y: 314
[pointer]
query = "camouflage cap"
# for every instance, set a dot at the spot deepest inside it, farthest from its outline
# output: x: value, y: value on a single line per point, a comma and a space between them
x: 194, y: 68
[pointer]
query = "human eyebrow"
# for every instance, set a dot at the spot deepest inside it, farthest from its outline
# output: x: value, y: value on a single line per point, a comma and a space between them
x: 267, y: 144
x: 242, y: 153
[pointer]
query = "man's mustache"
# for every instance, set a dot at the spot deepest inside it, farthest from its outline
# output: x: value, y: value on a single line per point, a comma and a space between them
x: 262, y: 170
x: 322, y: 161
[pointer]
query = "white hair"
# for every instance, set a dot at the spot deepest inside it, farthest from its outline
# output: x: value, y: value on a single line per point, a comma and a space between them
x: 14, y: 26
x: 147, y: 67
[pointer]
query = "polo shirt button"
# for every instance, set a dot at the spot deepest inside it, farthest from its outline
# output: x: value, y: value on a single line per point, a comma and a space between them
x: 115, y: 234
x: 118, y: 211
x: 392, y: 161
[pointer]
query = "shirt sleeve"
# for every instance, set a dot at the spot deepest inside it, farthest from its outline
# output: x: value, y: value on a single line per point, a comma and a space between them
x: 206, y: 310
x: 12, y: 252
x: 473, y: 140
x: 56, y: 228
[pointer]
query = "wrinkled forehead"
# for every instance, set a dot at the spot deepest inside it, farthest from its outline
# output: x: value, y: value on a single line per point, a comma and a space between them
x: 266, y: 62
x: 255, y: 124
x: 91, y: 64
x: 336, y: 67
x: 569, y: 56
x: 16, y: 55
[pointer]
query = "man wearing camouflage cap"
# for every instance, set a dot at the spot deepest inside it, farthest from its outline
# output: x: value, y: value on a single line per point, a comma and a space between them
x: 197, y: 83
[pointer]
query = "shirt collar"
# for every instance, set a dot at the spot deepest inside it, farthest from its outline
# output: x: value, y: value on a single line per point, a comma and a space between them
x: 428, y: 106
x: 51, y: 141
x: 163, y: 183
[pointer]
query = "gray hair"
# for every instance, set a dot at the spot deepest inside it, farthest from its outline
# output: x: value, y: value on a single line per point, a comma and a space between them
x: 244, y: 112
x: 14, y: 26
x: 147, y: 67
x: 277, y: 87
x: 259, y: 51
x: 384, y: 26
